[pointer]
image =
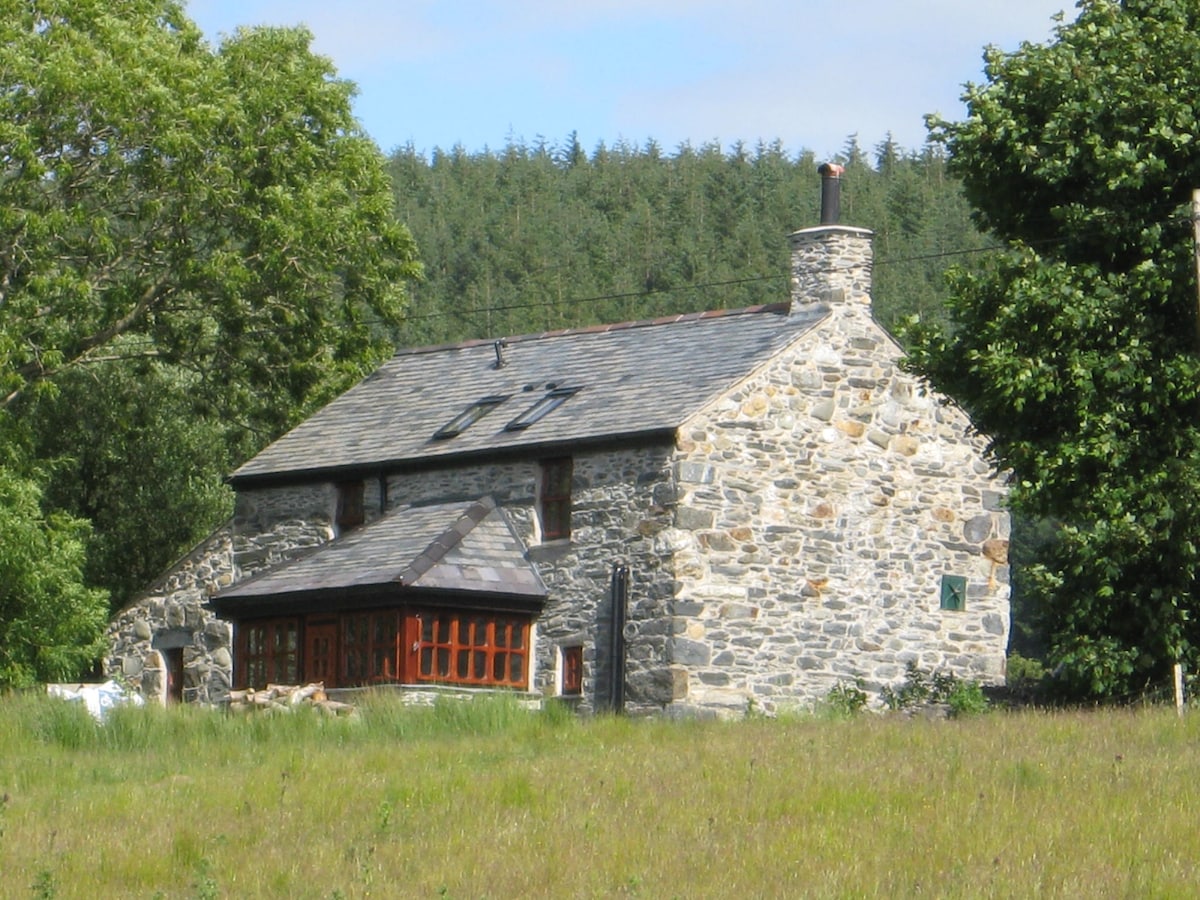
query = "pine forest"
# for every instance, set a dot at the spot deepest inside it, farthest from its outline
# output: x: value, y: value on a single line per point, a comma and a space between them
x: 544, y: 236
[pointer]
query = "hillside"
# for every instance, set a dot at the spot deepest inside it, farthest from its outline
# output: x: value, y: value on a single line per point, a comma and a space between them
x: 539, y: 237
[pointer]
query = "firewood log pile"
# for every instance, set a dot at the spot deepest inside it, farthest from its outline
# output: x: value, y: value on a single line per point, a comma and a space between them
x: 286, y: 697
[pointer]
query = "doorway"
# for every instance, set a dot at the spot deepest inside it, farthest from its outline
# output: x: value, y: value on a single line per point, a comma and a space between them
x: 320, y: 653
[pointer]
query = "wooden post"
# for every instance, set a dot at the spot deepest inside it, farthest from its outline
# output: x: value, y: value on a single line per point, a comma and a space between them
x: 1196, y: 247
x: 1179, y: 689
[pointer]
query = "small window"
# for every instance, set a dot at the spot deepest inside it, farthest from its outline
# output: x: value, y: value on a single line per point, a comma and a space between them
x: 554, y: 502
x: 553, y: 399
x: 468, y: 417
x: 572, y: 671
x: 954, y: 592
x: 350, y: 511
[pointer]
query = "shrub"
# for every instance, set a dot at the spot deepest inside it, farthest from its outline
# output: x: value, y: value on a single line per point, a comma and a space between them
x: 1023, y: 670
x: 966, y: 699
x: 844, y: 700
x: 913, y: 691
x: 1027, y: 680
x: 962, y: 696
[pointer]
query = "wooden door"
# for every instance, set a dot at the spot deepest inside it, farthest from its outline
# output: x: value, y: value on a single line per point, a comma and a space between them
x: 320, y: 653
x: 173, y: 659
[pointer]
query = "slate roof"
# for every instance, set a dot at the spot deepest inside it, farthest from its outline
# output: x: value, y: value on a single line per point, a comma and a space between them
x: 454, y: 547
x: 636, y: 379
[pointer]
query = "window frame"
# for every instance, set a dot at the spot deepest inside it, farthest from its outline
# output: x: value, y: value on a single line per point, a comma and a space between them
x: 351, y: 505
x: 571, y: 682
x: 260, y: 656
x: 542, y: 407
x: 554, y: 498
x: 369, y: 642
x: 469, y: 416
x: 444, y: 641
x: 384, y: 646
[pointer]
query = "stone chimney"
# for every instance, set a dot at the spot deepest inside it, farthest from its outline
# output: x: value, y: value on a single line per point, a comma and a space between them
x: 831, y: 263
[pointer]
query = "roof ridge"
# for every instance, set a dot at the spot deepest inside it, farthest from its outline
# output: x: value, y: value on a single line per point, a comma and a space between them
x: 437, y: 549
x: 780, y: 307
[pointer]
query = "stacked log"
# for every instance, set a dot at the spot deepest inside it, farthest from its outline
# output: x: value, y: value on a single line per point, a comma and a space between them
x: 286, y: 697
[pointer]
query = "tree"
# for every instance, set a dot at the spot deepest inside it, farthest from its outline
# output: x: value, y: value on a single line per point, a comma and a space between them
x: 124, y: 451
x: 1076, y: 349
x: 207, y: 229
x: 50, y: 623
x: 512, y: 244
x: 221, y: 212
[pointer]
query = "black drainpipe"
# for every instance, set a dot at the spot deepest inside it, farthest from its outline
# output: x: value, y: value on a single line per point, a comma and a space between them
x: 619, y: 594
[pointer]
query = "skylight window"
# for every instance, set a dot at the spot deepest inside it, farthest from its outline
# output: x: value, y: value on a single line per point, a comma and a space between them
x: 468, y: 417
x: 553, y: 399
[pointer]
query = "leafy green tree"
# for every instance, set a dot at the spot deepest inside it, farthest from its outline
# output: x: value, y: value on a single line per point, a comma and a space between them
x: 197, y: 246
x: 219, y: 211
x: 50, y: 623
x: 1076, y: 350
x: 124, y: 451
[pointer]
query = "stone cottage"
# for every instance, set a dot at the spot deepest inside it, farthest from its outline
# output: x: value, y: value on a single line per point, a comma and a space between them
x: 704, y: 512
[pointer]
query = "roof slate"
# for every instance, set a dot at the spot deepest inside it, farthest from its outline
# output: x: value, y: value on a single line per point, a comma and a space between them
x: 450, y: 546
x: 636, y: 378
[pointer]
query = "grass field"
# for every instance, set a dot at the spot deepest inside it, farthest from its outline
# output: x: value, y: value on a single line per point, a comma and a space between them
x: 487, y: 800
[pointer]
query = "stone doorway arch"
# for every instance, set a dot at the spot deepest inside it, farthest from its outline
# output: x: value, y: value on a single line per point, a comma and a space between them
x: 171, y: 645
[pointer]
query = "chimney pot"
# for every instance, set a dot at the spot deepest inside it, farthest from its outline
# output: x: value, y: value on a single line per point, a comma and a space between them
x: 831, y: 192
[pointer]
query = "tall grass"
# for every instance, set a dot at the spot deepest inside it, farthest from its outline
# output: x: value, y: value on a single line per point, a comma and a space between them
x: 490, y: 800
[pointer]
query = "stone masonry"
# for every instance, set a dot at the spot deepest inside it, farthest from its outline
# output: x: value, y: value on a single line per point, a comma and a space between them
x: 171, y: 615
x: 623, y: 500
x: 821, y: 502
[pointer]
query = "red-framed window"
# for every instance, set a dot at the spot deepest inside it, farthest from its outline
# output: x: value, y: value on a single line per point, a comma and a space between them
x: 270, y: 652
x: 572, y: 671
x: 321, y: 650
x: 370, y: 647
x: 351, y: 511
x: 554, y: 499
x: 394, y: 646
x: 453, y: 647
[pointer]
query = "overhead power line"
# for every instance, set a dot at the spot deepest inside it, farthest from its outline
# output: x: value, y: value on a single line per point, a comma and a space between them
x: 676, y: 289
x: 708, y: 285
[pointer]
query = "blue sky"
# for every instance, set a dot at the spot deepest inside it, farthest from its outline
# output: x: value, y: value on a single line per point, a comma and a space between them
x: 481, y: 72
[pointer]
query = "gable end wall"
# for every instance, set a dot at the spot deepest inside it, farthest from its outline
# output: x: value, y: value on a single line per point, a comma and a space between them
x: 269, y: 526
x: 822, y: 501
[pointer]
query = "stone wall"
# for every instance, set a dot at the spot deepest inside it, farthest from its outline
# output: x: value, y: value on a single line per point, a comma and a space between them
x: 622, y: 503
x: 268, y: 527
x: 170, y: 618
x: 272, y: 525
x: 821, y: 502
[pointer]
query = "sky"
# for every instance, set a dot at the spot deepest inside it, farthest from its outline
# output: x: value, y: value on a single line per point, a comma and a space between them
x: 482, y: 73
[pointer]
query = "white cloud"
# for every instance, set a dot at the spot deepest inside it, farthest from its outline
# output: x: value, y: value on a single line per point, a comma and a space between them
x: 805, y: 71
